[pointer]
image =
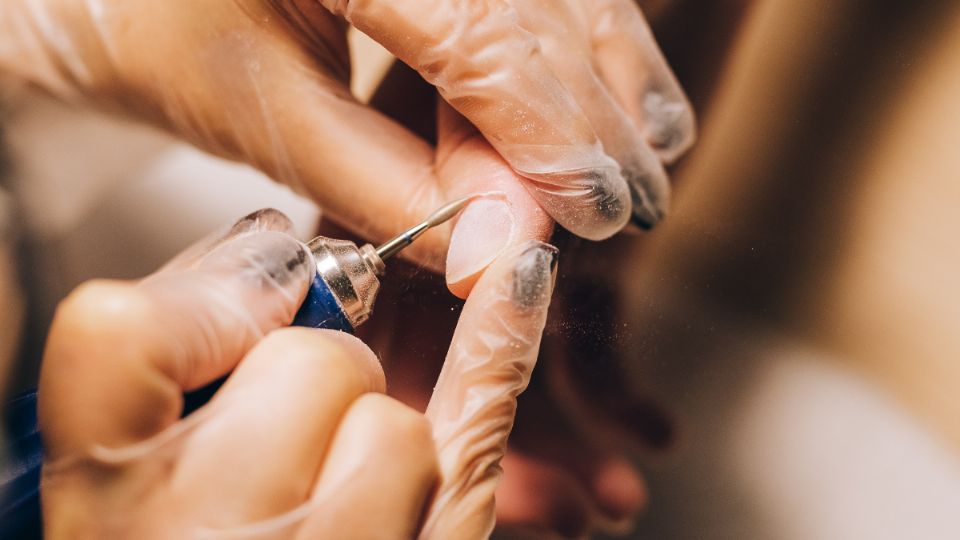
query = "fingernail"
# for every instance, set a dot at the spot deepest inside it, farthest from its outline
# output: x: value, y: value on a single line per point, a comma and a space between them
x: 482, y: 232
x: 590, y: 201
x: 669, y: 124
x: 534, y: 273
x: 649, y: 185
x: 265, y: 219
x: 267, y: 256
x: 644, y: 213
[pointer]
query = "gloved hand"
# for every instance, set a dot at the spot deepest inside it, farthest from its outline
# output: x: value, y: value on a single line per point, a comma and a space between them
x: 573, y: 94
x: 299, y: 442
x: 569, y: 470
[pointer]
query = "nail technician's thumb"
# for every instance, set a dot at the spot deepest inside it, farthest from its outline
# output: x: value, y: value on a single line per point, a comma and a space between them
x: 491, y: 357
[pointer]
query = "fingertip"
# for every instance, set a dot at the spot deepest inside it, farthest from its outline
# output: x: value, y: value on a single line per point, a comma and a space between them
x: 650, y: 197
x: 264, y: 219
x: 482, y: 231
x: 360, y: 352
x: 593, y: 204
x: 503, y: 213
x: 638, y: 75
x: 523, y: 274
x: 313, y: 349
x: 263, y: 262
x: 101, y: 382
x: 487, y: 230
x: 533, y: 274
x: 669, y: 124
x: 99, y: 304
x: 389, y: 425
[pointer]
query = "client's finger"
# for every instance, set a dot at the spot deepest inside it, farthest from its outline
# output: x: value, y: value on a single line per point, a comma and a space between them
x: 120, y: 355
x: 465, y: 165
x: 492, y: 224
x: 493, y: 71
x: 265, y: 219
x: 472, y: 409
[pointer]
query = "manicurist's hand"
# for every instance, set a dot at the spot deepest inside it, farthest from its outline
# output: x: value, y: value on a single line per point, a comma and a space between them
x: 573, y: 95
x: 299, y: 442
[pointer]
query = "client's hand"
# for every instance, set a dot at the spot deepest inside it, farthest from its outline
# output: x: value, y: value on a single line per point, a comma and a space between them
x: 299, y: 442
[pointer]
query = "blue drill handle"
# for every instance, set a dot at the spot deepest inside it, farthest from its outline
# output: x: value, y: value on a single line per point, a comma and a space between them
x: 20, y: 474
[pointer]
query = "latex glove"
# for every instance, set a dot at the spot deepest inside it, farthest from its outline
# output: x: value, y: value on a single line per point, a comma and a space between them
x: 570, y: 468
x: 266, y: 82
x: 587, y: 421
x: 558, y: 88
x: 297, y: 443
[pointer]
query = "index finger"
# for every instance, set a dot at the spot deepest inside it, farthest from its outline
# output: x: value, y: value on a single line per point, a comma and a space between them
x: 472, y: 409
x: 492, y: 71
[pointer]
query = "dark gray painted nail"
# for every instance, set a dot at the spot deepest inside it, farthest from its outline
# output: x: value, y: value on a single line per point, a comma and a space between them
x: 609, y: 206
x: 265, y: 219
x: 644, y: 214
x: 533, y: 274
x: 284, y: 266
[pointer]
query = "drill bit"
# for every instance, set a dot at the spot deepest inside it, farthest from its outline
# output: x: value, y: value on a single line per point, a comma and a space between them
x: 393, y: 246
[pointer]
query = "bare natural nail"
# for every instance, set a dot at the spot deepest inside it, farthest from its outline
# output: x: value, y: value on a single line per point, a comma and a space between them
x: 484, y: 229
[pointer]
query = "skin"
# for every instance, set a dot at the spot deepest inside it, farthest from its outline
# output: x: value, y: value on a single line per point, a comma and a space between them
x: 587, y: 396
x: 296, y: 146
x: 300, y: 441
x: 267, y: 83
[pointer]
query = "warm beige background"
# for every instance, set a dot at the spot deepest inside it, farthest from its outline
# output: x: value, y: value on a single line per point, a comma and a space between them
x: 802, y: 305
x: 824, y: 196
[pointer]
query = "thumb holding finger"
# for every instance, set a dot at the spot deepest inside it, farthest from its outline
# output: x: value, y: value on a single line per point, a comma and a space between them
x: 472, y: 409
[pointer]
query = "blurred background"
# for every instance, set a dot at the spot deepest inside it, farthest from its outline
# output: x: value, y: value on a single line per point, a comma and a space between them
x: 798, y: 313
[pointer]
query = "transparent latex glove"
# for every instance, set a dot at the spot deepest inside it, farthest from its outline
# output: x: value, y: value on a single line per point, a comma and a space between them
x: 587, y: 420
x: 573, y: 94
x: 299, y: 442
x: 571, y: 466
x: 558, y: 88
